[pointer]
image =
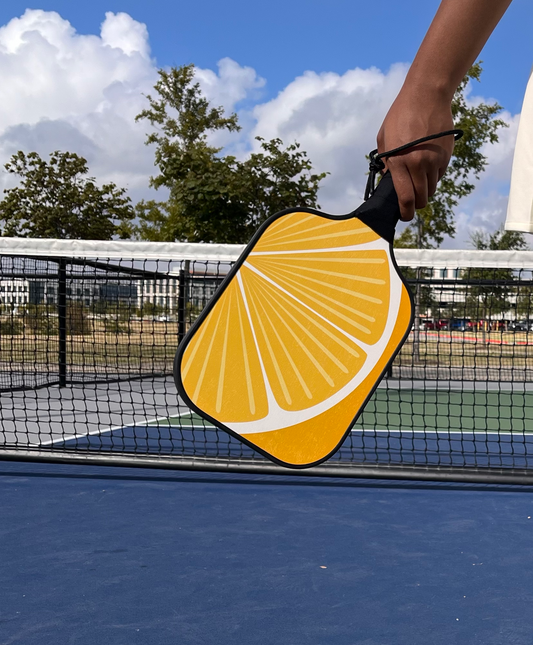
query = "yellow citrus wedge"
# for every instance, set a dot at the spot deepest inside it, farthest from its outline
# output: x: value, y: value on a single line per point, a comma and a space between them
x: 293, y: 346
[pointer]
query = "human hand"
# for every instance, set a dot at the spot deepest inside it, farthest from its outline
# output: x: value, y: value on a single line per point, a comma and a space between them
x: 416, y: 172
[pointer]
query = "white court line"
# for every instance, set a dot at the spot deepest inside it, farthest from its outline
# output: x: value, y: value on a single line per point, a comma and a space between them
x: 461, y: 433
x: 396, y: 434
x: 111, y: 429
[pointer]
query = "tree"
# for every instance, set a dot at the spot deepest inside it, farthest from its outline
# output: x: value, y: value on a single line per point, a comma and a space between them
x: 150, y: 310
x: 480, y: 126
x: 485, y: 300
x: 77, y: 322
x: 55, y: 200
x: 213, y: 198
x: 276, y: 179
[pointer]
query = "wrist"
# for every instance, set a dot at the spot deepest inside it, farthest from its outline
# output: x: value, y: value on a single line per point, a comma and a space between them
x: 429, y: 87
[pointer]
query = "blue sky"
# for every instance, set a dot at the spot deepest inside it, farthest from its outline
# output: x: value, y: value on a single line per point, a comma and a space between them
x: 270, y: 47
x: 281, y: 39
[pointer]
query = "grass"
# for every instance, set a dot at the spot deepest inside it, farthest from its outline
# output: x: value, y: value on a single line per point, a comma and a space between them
x: 147, y: 345
x: 137, y: 345
x: 490, y: 349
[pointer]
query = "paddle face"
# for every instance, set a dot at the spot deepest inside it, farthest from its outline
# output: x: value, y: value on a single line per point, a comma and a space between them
x: 297, y: 338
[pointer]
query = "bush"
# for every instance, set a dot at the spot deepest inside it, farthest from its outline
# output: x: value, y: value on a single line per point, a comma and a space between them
x: 78, y: 322
x: 10, y: 327
x: 39, y: 319
x: 114, y: 327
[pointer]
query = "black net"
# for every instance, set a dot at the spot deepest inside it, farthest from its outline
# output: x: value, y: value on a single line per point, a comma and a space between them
x: 87, y: 347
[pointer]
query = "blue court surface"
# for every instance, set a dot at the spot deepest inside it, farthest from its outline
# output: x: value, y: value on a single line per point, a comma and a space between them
x: 189, y: 435
x: 109, y: 556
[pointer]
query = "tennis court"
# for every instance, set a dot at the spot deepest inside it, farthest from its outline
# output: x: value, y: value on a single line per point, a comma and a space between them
x: 117, y: 555
x: 89, y: 333
x: 403, y: 423
x: 439, y: 426
x: 224, y: 546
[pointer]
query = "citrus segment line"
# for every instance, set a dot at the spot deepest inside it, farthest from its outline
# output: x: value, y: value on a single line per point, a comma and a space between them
x: 287, y: 354
x: 327, y: 377
x: 304, y: 304
x: 288, y: 256
x: 330, y: 309
x: 206, y: 360
x: 371, y: 246
x: 302, y: 290
x: 336, y: 274
x: 195, y: 350
x: 350, y: 292
x: 275, y: 363
x: 220, y: 389
x: 324, y: 330
x: 326, y: 236
x: 268, y: 388
x: 277, y: 239
x: 272, y: 228
x: 247, y: 374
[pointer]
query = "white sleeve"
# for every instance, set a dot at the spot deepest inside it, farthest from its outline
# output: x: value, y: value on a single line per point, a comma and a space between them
x: 520, y: 208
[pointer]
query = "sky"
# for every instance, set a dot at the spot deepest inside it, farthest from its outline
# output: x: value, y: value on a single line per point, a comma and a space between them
x: 74, y: 76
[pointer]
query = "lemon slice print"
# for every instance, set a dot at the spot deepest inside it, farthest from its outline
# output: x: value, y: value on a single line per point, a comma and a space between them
x: 293, y: 346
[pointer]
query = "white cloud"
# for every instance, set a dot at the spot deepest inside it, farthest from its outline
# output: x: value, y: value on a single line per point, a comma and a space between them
x: 62, y: 90
x: 486, y: 208
x: 120, y: 31
x: 336, y: 119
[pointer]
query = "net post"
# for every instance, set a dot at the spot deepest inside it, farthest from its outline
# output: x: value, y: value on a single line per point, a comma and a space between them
x: 62, y: 321
x: 182, y: 300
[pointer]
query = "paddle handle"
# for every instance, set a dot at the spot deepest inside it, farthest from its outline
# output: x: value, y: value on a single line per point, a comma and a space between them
x: 380, y: 210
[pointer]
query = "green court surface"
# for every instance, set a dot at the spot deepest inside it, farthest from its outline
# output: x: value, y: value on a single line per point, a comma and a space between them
x: 457, y: 411
x: 425, y: 410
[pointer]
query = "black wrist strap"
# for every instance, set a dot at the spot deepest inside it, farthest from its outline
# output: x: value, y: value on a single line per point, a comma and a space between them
x: 376, y: 164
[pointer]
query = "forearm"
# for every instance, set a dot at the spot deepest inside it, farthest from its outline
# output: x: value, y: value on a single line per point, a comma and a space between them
x: 423, y: 107
x: 455, y: 38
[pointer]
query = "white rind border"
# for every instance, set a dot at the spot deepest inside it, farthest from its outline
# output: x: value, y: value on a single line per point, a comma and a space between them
x: 176, y: 251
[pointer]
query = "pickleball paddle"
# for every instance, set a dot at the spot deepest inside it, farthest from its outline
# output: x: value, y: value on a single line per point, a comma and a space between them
x: 301, y: 331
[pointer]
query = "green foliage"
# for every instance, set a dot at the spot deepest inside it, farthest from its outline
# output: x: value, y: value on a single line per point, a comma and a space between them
x: 55, y: 200
x: 192, y: 312
x: 150, y: 310
x: 480, y: 126
x: 112, y: 309
x: 113, y: 326
x: 10, y: 327
x: 213, y: 198
x: 490, y: 300
x: 78, y: 323
x: 275, y: 179
x: 500, y: 240
x: 41, y: 319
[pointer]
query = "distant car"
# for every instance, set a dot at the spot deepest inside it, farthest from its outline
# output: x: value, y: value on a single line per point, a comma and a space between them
x: 427, y: 325
x: 498, y: 325
x: 518, y: 325
x: 461, y: 324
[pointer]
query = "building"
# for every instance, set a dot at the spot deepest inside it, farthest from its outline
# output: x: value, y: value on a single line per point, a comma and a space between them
x: 14, y: 292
